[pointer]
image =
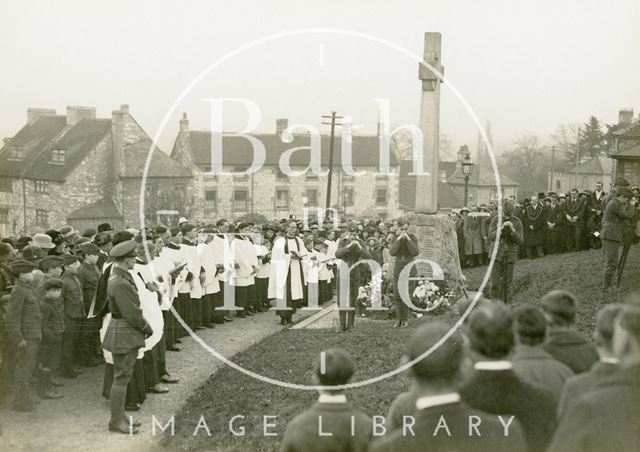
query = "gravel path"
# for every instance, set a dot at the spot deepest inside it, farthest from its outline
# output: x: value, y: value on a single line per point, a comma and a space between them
x: 78, y: 422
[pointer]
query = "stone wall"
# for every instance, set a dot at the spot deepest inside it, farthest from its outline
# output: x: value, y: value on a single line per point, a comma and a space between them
x: 630, y: 170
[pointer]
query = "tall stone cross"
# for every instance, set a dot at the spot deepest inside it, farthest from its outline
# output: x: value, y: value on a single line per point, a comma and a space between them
x: 427, y: 185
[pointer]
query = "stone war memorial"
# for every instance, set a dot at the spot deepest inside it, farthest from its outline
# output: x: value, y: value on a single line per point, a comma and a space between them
x: 435, y: 231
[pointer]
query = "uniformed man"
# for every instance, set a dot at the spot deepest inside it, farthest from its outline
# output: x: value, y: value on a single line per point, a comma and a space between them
x: 622, y: 207
x: 511, y: 238
x: 126, y: 332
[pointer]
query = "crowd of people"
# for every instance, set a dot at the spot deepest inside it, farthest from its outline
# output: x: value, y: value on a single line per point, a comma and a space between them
x: 552, y: 223
x: 508, y: 380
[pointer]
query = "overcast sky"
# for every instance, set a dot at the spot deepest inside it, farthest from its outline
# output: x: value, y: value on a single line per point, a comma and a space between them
x: 526, y: 66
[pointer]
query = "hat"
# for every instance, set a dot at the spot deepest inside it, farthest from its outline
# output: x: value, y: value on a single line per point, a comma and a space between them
x: 53, y: 283
x: 561, y: 195
x: 66, y: 231
x: 89, y: 233
x: 186, y: 227
x: 624, y: 191
x: 89, y: 249
x: 42, y: 241
x: 541, y: 195
x: 104, y: 227
x: 585, y: 192
x: 22, y: 242
x: 82, y: 241
x: 182, y: 220
x: 20, y: 266
x: 48, y: 262
x: 352, y: 227
x: 102, y: 238
x: 124, y: 249
x: 56, y: 238
x: 464, y: 209
x: 620, y: 182
x: 32, y: 253
x: 70, y: 259
x: 551, y: 194
x: 5, y: 248
x: 133, y: 231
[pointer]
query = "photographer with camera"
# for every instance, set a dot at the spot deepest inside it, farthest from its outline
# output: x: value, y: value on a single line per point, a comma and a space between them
x: 511, y: 237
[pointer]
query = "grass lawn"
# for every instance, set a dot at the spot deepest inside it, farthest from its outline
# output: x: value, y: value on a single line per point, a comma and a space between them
x: 375, y: 346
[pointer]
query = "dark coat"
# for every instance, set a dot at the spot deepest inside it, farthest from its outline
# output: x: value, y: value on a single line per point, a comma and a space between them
x: 404, y: 251
x: 356, y: 277
x: 535, y: 225
x: 508, y: 246
x: 23, y: 318
x: 584, y: 383
x: 72, y: 296
x: 537, y: 367
x: 606, y: 418
x: 570, y: 347
x: 127, y: 328
x: 301, y: 434
x: 88, y: 275
x: 456, y: 416
x: 502, y: 392
x: 52, y: 320
x: 473, y: 233
x: 613, y: 222
x: 575, y: 208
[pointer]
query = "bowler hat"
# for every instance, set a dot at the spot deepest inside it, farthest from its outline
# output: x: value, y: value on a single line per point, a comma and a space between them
x: 20, y: 266
x: 42, y: 241
x: 104, y: 227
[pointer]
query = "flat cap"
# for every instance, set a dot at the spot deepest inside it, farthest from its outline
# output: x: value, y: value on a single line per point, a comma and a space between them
x: 48, y: 262
x: 620, y: 182
x: 124, y: 249
x: 89, y: 233
x: 89, y: 248
x: 53, y: 283
x: 20, y: 266
x: 69, y: 259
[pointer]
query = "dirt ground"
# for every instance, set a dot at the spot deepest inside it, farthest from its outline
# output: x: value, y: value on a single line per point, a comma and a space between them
x: 78, y: 421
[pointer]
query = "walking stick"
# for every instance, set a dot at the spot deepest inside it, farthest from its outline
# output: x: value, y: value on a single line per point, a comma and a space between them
x: 623, y: 258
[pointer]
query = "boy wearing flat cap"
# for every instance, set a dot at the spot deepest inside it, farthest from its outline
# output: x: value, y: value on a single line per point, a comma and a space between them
x: 89, y: 275
x: 126, y: 332
x: 24, y: 328
x: 52, y: 329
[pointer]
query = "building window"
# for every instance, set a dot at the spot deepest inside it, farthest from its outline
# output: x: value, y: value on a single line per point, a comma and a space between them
x: 382, y: 178
x: 240, y: 200
x: 381, y: 196
x: 6, y: 185
x: 558, y: 185
x: 42, y: 186
x: 240, y: 177
x: 58, y: 156
x: 348, y: 197
x: 211, y: 199
x: 311, y: 196
x: 17, y: 154
x: 42, y: 218
x: 282, y: 199
x: 4, y: 216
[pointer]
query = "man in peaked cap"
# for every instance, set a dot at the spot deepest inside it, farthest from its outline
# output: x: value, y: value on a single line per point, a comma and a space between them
x: 126, y: 332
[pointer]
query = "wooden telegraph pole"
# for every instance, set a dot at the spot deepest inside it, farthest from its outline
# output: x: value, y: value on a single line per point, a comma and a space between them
x: 333, y: 125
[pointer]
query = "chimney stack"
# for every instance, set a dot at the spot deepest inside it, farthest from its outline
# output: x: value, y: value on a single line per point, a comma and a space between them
x: 625, y: 117
x: 77, y: 114
x: 281, y: 125
x: 184, y: 123
x: 117, y: 141
x: 124, y: 108
x: 33, y: 114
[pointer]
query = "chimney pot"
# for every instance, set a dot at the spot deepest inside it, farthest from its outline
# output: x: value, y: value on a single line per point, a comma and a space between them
x: 124, y: 108
x: 625, y: 117
x: 184, y: 123
x: 281, y: 125
x: 33, y: 114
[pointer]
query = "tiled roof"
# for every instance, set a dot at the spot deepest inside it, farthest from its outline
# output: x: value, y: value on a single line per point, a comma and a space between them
x: 101, y: 209
x: 480, y: 178
x: 43, y: 136
x: 237, y: 151
x: 630, y: 151
x: 632, y: 131
x: 135, y: 157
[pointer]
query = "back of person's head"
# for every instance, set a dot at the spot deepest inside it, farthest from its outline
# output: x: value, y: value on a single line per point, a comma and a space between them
x: 443, y: 363
x: 629, y: 319
x: 560, y: 307
x: 490, y: 330
x: 605, y: 321
x: 121, y: 236
x: 334, y: 367
x: 530, y: 325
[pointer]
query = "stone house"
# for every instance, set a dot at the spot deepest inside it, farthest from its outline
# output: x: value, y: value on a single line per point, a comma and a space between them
x: 584, y: 177
x: 625, y: 149
x: 81, y: 170
x: 272, y: 193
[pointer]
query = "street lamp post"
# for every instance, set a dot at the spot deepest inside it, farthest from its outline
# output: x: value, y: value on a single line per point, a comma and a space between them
x: 467, y: 169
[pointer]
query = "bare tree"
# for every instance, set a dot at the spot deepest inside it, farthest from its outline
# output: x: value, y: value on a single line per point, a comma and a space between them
x: 526, y: 163
x: 565, y: 139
